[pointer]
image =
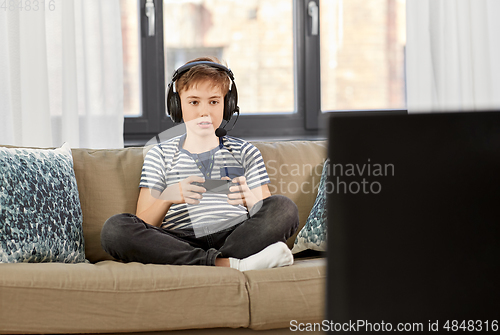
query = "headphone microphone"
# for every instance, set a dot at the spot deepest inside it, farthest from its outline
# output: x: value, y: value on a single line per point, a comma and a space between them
x: 220, y: 132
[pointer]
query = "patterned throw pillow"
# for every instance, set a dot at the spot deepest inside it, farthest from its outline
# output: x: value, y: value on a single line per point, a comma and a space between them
x: 40, y: 213
x: 313, y: 235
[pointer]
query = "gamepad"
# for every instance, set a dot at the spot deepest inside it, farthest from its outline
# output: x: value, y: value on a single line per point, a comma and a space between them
x: 218, y: 186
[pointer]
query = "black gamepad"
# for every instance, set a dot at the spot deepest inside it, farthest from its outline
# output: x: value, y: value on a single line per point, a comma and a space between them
x: 218, y: 186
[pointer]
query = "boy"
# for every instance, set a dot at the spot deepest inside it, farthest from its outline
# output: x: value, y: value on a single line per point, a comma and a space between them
x: 178, y: 220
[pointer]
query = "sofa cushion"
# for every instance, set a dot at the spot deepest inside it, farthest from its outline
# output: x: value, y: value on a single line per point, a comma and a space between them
x: 110, y: 296
x: 281, y: 295
x: 313, y: 235
x: 40, y: 214
x: 294, y: 168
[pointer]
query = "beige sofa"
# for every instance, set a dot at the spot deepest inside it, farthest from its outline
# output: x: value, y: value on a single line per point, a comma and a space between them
x: 107, y: 296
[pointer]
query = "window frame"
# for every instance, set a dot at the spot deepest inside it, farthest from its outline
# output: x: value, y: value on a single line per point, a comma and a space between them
x: 307, y: 122
x: 138, y: 130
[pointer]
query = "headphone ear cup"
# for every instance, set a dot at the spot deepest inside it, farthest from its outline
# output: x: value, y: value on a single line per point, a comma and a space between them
x: 176, y: 102
x: 227, y: 106
x: 174, y: 105
x: 230, y: 103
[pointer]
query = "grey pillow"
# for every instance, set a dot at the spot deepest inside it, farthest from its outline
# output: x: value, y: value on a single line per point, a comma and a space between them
x: 40, y: 213
x: 313, y: 235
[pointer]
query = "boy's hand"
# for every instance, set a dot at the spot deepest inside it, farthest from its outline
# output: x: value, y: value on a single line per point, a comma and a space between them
x: 185, y: 191
x: 241, y: 193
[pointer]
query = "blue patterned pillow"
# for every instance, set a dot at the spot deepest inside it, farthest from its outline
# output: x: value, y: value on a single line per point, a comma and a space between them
x: 40, y: 213
x: 313, y: 235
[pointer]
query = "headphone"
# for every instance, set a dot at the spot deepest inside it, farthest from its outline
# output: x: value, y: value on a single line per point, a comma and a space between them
x: 173, y: 102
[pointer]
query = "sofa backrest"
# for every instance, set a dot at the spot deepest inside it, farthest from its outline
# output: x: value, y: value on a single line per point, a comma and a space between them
x: 294, y: 168
x: 108, y: 182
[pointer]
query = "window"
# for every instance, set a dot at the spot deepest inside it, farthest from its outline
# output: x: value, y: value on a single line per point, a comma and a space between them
x: 132, y: 93
x: 255, y: 38
x: 291, y: 66
x: 362, y: 54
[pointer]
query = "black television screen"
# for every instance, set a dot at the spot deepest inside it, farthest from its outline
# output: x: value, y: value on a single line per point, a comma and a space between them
x: 414, y: 222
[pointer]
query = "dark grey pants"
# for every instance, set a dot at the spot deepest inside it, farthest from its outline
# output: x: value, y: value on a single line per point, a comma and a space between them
x: 130, y: 239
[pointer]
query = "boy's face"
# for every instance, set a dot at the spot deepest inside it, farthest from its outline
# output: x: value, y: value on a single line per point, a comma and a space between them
x: 202, y: 108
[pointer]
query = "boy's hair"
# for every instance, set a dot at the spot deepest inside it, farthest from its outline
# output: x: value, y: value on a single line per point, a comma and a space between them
x: 198, y: 73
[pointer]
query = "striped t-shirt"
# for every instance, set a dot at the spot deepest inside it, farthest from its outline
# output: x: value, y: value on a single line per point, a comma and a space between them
x: 168, y: 163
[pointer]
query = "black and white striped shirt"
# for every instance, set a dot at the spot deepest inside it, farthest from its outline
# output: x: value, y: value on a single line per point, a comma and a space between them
x: 168, y: 163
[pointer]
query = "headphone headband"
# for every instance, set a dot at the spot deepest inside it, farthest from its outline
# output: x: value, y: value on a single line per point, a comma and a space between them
x: 186, y: 67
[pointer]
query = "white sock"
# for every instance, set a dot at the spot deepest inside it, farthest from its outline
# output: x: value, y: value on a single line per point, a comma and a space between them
x: 275, y: 255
